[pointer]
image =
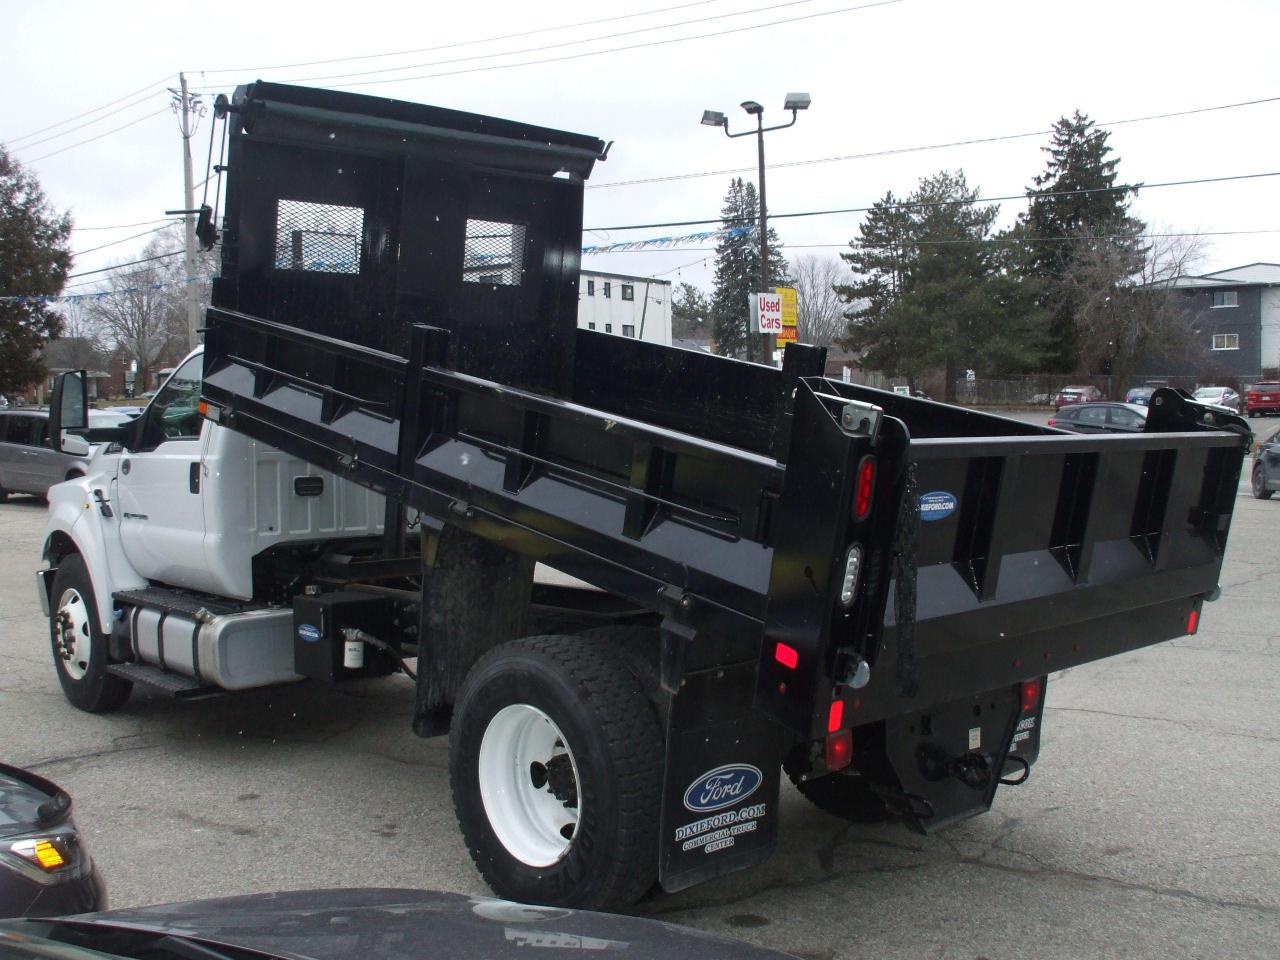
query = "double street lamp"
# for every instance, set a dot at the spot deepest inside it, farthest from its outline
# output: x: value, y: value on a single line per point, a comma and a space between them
x: 795, y: 102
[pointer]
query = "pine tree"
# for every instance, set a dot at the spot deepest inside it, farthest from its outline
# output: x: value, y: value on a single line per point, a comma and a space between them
x: 1062, y: 222
x: 933, y: 291
x: 34, y: 260
x: 690, y: 310
x: 738, y: 268
x: 879, y: 263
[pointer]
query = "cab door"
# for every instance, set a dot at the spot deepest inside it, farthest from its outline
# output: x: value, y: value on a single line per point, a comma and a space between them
x: 158, y: 485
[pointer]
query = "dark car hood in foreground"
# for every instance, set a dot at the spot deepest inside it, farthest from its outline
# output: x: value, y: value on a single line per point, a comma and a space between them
x: 376, y: 924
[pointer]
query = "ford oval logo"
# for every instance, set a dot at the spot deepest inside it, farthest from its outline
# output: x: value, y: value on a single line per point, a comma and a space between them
x: 937, y: 505
x: 722, y: 787
x: 309, y: 633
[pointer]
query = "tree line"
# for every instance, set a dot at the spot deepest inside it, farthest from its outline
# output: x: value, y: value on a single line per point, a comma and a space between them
x: 929, y: 283
x: 1074, y: 285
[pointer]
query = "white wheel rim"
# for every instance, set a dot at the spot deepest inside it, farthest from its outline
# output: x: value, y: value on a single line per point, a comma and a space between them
x: 75, y: 635
x: 529, y: 785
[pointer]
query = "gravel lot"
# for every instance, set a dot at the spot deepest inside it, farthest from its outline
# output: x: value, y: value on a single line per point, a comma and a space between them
x: 1149, y: 828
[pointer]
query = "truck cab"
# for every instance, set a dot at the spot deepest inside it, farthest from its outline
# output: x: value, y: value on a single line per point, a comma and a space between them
x: 174, y: 509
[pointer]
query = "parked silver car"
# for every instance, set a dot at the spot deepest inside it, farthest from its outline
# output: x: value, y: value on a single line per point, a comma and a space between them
x: 1220, y: 396
x: 28, y: 464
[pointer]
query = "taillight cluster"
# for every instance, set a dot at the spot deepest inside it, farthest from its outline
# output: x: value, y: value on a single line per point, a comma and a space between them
x: 865, y: 487
x: 1030, y: 695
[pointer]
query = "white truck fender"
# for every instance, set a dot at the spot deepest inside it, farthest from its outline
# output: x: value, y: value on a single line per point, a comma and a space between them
x: 76, y: 523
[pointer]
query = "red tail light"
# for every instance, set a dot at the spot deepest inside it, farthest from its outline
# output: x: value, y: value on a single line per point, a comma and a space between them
x: 839, y: 749
x: 1193, y: 620
x: 1053, y: 422
x: 787, y: 656
x: 866, y: 484
x: 1030, y: 695
x: 835, y: 716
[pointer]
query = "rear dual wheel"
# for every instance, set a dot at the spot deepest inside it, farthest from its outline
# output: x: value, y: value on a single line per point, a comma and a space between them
x: 844, y: 795
x: 555, y: 763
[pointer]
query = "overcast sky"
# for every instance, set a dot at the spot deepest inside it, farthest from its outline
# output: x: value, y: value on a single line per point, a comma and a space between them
x: 894, y: 75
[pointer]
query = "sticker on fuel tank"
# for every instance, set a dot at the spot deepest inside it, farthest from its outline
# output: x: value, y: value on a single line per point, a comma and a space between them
x: 309, y: 633
x: 722, y: 787
x: 937, y: 505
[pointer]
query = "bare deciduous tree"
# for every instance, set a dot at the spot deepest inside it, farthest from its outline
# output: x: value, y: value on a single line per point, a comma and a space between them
x: 820, y: 309
x: 1126, y: 316
x: 141, y: 307
x: 83, y: 343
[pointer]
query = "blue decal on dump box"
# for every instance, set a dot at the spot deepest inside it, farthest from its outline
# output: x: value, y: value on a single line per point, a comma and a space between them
x: 309, y: 633
x: 937, y: 505
x: 722, y: 787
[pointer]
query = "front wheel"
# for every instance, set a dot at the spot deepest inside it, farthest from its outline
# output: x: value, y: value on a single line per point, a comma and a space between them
x: 79, y: 647
x: 555, y: 763
x: 1260, y: 484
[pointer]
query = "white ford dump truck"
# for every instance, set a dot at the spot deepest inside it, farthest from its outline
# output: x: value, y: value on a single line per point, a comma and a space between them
x: 786, y: 573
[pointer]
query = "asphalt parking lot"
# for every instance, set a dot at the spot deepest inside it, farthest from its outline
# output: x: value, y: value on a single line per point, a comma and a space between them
x: 1149, y: 828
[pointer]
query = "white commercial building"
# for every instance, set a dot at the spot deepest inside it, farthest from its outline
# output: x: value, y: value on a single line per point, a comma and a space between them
x: 638, y: 307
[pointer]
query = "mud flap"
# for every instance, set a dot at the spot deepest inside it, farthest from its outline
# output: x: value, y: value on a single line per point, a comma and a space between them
x: 720, y: 787
x: 948, y: 760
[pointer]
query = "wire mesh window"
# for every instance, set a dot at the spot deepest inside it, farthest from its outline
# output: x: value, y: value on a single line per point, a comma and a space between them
x: 321, y: 237
x: 494, y: 253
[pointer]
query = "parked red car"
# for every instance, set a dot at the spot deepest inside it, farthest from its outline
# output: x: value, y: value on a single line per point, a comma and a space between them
x: 1263, y: 398
x: 1076, y: 394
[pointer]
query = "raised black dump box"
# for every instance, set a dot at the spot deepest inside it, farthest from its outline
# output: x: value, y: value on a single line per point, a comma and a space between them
x: 398, y: 304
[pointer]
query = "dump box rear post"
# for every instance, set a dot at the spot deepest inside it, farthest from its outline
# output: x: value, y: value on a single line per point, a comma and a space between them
x: 849, y: 579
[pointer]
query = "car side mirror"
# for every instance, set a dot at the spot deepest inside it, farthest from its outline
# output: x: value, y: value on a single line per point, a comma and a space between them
x: 68, y: 409
x: 74, y: 445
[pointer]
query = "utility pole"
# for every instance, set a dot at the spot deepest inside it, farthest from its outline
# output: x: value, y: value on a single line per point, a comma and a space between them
x: 186, y: 105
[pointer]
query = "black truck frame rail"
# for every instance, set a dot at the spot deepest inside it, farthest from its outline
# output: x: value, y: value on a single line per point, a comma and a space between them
x: 989, y: 551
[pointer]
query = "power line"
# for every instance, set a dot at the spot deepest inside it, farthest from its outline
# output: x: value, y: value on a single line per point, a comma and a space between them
x: 113, y: 243
x: 60, y: 123
x: 87, y: 123
x: 920, y: 243
x: 125, y: 226
x: 460, y: 43
x: 918, y: 149
x: 554, y: 46
x: 81, y: 143
x: 635, y: 46
x: 130, y: 263
x: 946, y: 203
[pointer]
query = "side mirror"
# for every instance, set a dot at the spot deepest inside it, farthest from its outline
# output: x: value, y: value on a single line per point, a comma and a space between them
x: 68, y: 409
x: 75, y: 445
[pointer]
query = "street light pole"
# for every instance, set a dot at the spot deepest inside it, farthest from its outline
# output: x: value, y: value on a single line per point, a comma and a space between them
x: 795, y: 102
x: 766, y: 353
